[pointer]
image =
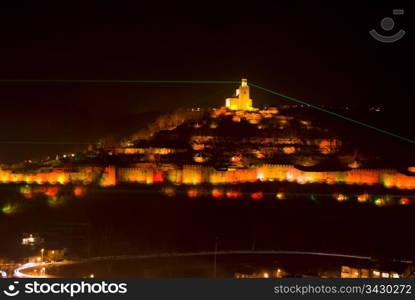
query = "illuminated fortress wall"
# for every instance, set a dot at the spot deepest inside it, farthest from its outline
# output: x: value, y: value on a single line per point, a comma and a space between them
x: 85, y: 175
x: 197, y: 174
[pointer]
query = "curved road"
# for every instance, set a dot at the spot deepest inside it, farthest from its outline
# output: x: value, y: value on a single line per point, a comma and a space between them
x: 19, y: 272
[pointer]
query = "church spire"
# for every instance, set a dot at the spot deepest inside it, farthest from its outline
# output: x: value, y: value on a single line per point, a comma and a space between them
x: 241, y: 100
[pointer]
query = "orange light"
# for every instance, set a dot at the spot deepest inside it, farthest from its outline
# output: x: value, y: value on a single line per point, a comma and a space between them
x: 216, y: 193
x: 79, y: 191
x: 362, y: 197
x: 288, y: 150
x: 192, y: 193
x: 236, y: 158
x: 232, y: 194
x: 325, y: 147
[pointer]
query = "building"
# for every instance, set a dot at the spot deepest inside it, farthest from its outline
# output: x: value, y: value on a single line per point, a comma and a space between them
x: 241, y: 100
x: 32, y: 240
x: 365, y: 272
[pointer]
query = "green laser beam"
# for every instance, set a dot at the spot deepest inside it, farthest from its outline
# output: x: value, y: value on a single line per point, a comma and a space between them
x: 95, y: 81
x: 116, y: 81
x: 215, y: 82
x: 45, y: 143
x: 333, y: 113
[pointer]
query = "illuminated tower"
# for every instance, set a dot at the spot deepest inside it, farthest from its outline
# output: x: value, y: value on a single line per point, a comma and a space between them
x: 241, y: 100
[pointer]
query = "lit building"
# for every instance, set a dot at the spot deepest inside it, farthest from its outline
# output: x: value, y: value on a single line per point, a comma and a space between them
x: 32, y: 240
x: 350, y: 272
x: 241, y: 100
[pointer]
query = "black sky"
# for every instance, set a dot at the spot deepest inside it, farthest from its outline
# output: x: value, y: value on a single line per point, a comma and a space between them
x: 314, y: 51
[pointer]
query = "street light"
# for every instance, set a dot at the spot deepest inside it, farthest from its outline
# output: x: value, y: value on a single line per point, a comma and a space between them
x: 41, y: 253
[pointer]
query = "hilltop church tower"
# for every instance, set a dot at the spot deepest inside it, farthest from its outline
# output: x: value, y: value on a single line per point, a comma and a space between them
x: 241, y: 100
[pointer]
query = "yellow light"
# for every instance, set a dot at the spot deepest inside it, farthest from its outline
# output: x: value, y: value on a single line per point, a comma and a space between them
x: 280, y: 196
x: 61, y: 179
x: 379, y: 202
x: 266, y: 275
x: 341, y: 197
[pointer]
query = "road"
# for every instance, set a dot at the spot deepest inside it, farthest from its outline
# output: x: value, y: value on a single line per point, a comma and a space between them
x: 29, y: 269
x: 26, y: 270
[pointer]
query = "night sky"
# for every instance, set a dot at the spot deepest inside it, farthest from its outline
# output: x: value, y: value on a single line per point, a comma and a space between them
x: 316, y: 52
